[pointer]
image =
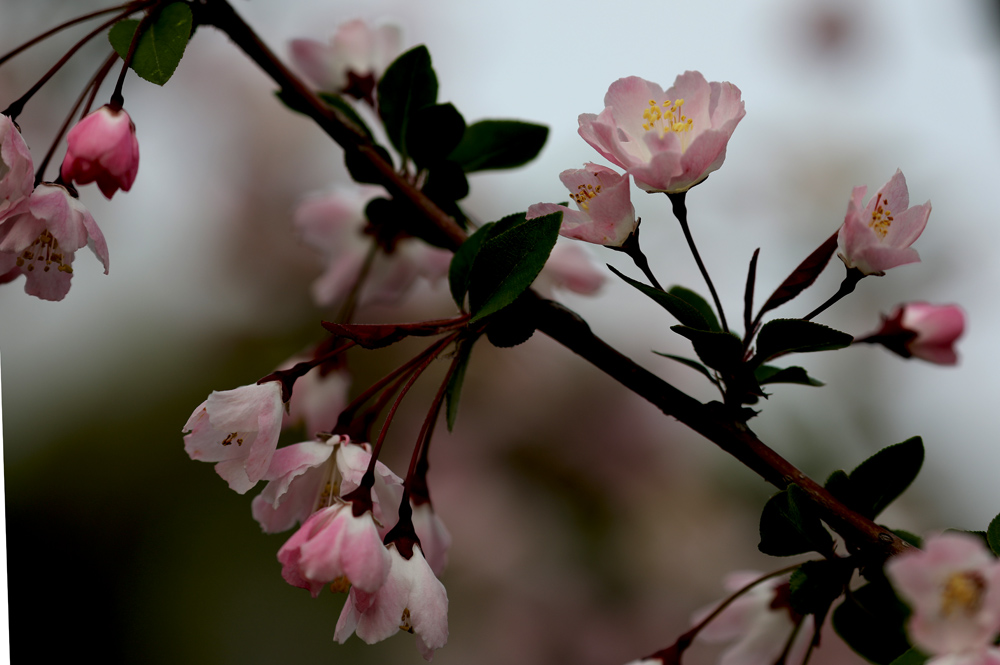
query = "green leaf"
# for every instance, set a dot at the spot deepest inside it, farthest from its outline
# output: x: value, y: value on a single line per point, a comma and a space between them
x: 344, y: 106
x: 790, y: 524
x: 160, y: 47
x: 771, y: 374
x: 499, y: 144
x: 699, y: 303
x: 461, y: 263
x: 408, y: 85
x: 911, y: 538
x: 454, y: 389
x: 816, y: 584
x: 514, y: 324
x: 434, y: 133
x: 993, y: 535
x: 912, y: 656
x: 719, y: 350
x: 693, y: 364
x: 683, y: 311
x: 782, y: 336
x: 871, y: 620
x: 880, y: 479
x: 509, y: 261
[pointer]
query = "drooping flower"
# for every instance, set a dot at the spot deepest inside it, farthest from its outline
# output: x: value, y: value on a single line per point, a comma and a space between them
x: 761, y: 621
x: 667, y: 141
x: 953, y: 587
x: 17, y: 173
x: 921, y: 330
x: 433, y: 535
x: 335, y: 225
x: 102, y: 148
x: 318, y: 398
x: 569, y: 267
x: 40, y: 238
x: 605, y: 215
x: 412, y: 599
x: 353, y: 59
x: 877, y: 236
x: 239, y: 430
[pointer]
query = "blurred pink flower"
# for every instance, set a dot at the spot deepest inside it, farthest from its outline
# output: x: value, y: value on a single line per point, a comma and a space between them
x: 953, y: 588
x: 878, y: 236
x: 40, y: 237
x: 17, y: 173
x: 352, y: 61
x: 569, y: 267
x: 238, y: 429
x: 335, y: 224
x: 761, y: 620
x: 667, y: 141
x: 318, y: 398
x: 605, y: 215
x: 102, y: 148
x: 412, y: 599
x: 922, y: 330
x: 434, y: 537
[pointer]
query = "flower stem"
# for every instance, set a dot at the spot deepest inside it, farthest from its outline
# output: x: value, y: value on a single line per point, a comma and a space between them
x: 851, y: 280
x: 631, y: 247
x: 117, y: 101
x: 418, y: 462
x: 680, y: 212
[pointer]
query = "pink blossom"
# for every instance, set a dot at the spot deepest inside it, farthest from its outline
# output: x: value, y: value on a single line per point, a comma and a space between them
x: 923, y: 331
x: 878, y: 236
x: 569, y: 267
x: 335, y: 224
x: 434, y: 537
x: 605, y: 215
x: 953, y: 587
x: 761, y: 620
x: 102, y: 148
x: 318, y: 398
x: 412, y: 599
x: 17, y: 173
x: 667, y: 141
x: 40, y: 237
x: 353, y: 59
x: 238, y: 429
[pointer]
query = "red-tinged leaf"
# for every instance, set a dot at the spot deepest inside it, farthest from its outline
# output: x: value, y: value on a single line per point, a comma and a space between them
x: 378, y: 335
x: 802, y: 277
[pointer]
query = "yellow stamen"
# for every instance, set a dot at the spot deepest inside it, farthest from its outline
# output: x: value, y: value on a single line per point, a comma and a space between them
x: 881, y: 218
x: 963, y: 592
x: 668, y: 117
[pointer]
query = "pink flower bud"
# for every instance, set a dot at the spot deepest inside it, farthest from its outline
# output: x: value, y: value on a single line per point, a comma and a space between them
x: 922, y: 330
x: 102, y: 149
x: 878, y: 236
x: 605, y: 215
x: 668, y: 141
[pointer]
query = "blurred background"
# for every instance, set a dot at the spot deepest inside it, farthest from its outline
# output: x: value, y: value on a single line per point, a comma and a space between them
x: 587, y: 527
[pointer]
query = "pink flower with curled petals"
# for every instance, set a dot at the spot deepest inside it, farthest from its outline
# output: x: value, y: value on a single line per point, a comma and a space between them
x: 761, y: 621
x: 667, y: 141
x: 352, y: 61
x: 102, y: 148
x: 953, y: 587
x: 412, y: 599
x: 877, y: 236
x: 921, y: 330
x: 239, y: 430
x: 41, y: 236
x: 17, y: 173
x: 605, y: 215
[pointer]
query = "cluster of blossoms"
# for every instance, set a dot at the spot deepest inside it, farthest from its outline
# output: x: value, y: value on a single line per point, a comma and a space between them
x: 42, y: 226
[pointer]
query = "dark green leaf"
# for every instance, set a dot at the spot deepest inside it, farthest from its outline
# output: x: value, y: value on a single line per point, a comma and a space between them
x: 446, y: 183
x: 993, y: 535
x: 771, y: 374
x: 344, y: 106
x: 499, y: 144
x: 871, y: 620
x: 454, y: 389
x: 699, y: 303
x: 514, y: 324
x: 683, y: 311
x: 434, y: 133
x: 880, y: 479
x: 509, y: 261
x: 790, y: 524
x: 839, y: 485
x: 461, y: 263
x: 408, y: 85
x: 361, y: 169
x: 803, y: 276
x: 911, y: 538
x: 912, y: 656
x: 816, y: 584
x: 748, y: 291
x: 693, y: 364
x: 719, y: 350
x: 160, y: 47
x: 782, y: 336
